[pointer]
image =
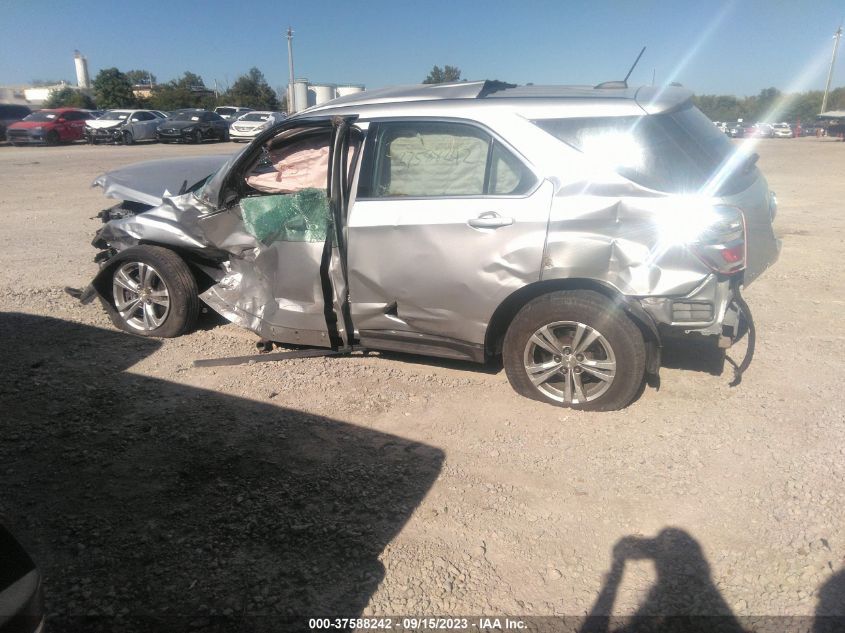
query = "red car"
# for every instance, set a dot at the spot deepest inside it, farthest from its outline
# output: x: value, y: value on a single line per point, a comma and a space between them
x: 61, y: 125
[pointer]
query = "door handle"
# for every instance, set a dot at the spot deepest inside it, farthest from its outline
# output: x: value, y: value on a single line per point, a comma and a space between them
x: 489, y: 220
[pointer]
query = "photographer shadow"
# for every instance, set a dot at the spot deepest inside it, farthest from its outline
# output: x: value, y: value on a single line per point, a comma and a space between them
x: 682, y: 600
x: 151, y: 505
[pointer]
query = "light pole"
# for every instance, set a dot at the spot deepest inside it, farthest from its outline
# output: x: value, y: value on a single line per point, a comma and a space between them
x: 291, y: 96
x: 836, y: 38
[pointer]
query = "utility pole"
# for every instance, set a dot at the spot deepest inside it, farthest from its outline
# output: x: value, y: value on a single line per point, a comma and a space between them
x: 291, y: 96
x: 836, y: 37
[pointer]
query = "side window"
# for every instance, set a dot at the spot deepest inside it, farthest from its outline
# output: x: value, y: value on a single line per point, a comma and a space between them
x: 72, y: 116
x: 143, y: 116
x: 428, y: 159
x: 508, y: 176
x: 431, y: 159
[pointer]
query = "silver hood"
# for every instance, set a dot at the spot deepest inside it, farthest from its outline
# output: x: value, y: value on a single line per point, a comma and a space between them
x: 149, y: 182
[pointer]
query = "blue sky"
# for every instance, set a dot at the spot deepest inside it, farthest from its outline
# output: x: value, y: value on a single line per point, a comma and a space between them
x: 735, y: 47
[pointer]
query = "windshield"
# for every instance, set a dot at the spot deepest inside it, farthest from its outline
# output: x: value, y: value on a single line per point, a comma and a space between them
x: 225, y: 111
x: 255, y: 116
x: 43, y: 115
x: 676, y: 152
x: 115, y: 115
x: 186, y: 116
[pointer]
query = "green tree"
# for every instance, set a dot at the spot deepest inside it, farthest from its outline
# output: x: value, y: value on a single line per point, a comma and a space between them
x: 443, y: 75
x: 252, y: 90
x: 69, y: 98
x: 140, y: 77
x: 188, y: 91
x: 112, y: 89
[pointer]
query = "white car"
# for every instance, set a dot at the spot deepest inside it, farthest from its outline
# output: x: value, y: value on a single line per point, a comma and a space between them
x: 782, y: 130
x: 250, y: 124
x: 230, y: 113
x: 123, y: 126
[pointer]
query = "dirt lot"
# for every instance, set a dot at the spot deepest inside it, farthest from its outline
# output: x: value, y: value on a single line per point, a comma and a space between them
x: 167, y: 496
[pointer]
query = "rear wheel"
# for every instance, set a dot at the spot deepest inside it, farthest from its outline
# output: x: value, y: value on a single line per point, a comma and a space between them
x: 224, y: 135
x: 575, y: 349
x: 153, y: 293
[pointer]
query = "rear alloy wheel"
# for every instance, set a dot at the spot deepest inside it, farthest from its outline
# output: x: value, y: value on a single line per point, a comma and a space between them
x: 196, y: 137
x: 576, y: 349
x: 153, y: 293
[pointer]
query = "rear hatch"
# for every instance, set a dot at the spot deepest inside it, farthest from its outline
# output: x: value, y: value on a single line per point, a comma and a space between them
x: 680, y: 152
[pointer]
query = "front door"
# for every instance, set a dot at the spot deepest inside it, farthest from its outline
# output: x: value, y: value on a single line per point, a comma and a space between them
x: 279, y: 231
x: 446, y: 223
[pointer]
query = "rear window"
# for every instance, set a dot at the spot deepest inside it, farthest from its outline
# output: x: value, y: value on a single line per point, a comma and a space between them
x: 676, y: 152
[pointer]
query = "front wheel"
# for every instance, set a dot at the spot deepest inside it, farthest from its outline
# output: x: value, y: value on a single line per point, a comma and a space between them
x: 575, y: 349
x: 128, y: 139
x: 153, y: 293
x: 52, y: 138
x: 196, y: 137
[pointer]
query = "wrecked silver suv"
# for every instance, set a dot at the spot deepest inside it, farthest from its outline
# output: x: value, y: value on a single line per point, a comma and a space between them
x: 567, y: 229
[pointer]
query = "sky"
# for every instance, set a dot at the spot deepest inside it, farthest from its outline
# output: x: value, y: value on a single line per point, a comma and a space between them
x: 736, y: 47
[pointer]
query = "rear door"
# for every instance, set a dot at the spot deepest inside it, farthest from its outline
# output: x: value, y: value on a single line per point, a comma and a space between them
x: 448, y: 220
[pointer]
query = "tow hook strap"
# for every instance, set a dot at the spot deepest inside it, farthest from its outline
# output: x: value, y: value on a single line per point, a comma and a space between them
x: 749, y: 352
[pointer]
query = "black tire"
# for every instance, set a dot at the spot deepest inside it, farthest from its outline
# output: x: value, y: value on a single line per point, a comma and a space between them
x: 563, y: 310
x: 177, y: 282
x: 196, y: 137
x: 52, y: 138
x: 224, y: 136
x: 128, y: 139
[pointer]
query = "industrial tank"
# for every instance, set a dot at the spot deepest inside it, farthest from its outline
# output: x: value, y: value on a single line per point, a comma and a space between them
x: 322, y: 92
x: 348, y: 89
x: 300, y: 94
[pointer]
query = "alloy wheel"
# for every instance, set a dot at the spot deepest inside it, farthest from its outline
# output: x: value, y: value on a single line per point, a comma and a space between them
x: 570, y: 362
x: 141, y: 297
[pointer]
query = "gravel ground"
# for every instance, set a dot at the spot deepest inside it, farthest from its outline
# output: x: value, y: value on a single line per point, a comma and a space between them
x: 159, y: 496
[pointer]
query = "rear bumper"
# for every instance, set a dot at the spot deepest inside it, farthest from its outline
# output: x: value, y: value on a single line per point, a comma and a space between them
x: 705, y: 311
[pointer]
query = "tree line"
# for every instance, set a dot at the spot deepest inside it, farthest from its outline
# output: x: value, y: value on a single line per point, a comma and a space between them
x: 113, y: 88
x: 769, y: 105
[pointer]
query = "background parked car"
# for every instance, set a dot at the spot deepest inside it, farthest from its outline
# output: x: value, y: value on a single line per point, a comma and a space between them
x: 10, y: 113
x: 123, y: 126
x: 248, y: 125
x: 757, y: 130
x: 782, y: 130
x: 61, y: 125
x: 734, y: 129
x: 230, y: 113
x: 193, y: 126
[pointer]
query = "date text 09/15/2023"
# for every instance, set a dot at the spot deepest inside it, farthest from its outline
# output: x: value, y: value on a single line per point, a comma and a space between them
x: 428, y: 623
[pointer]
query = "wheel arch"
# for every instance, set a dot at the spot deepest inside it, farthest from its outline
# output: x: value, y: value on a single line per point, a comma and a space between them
x: 507, y: 310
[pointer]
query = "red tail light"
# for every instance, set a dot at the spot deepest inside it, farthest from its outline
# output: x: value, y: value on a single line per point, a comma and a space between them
x: 722, y: 245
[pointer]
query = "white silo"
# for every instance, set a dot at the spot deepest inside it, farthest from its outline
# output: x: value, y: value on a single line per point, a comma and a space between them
x: 82, y: 79
x: 323, y: 92
x: 300, y: 95
x: 349, y: 89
